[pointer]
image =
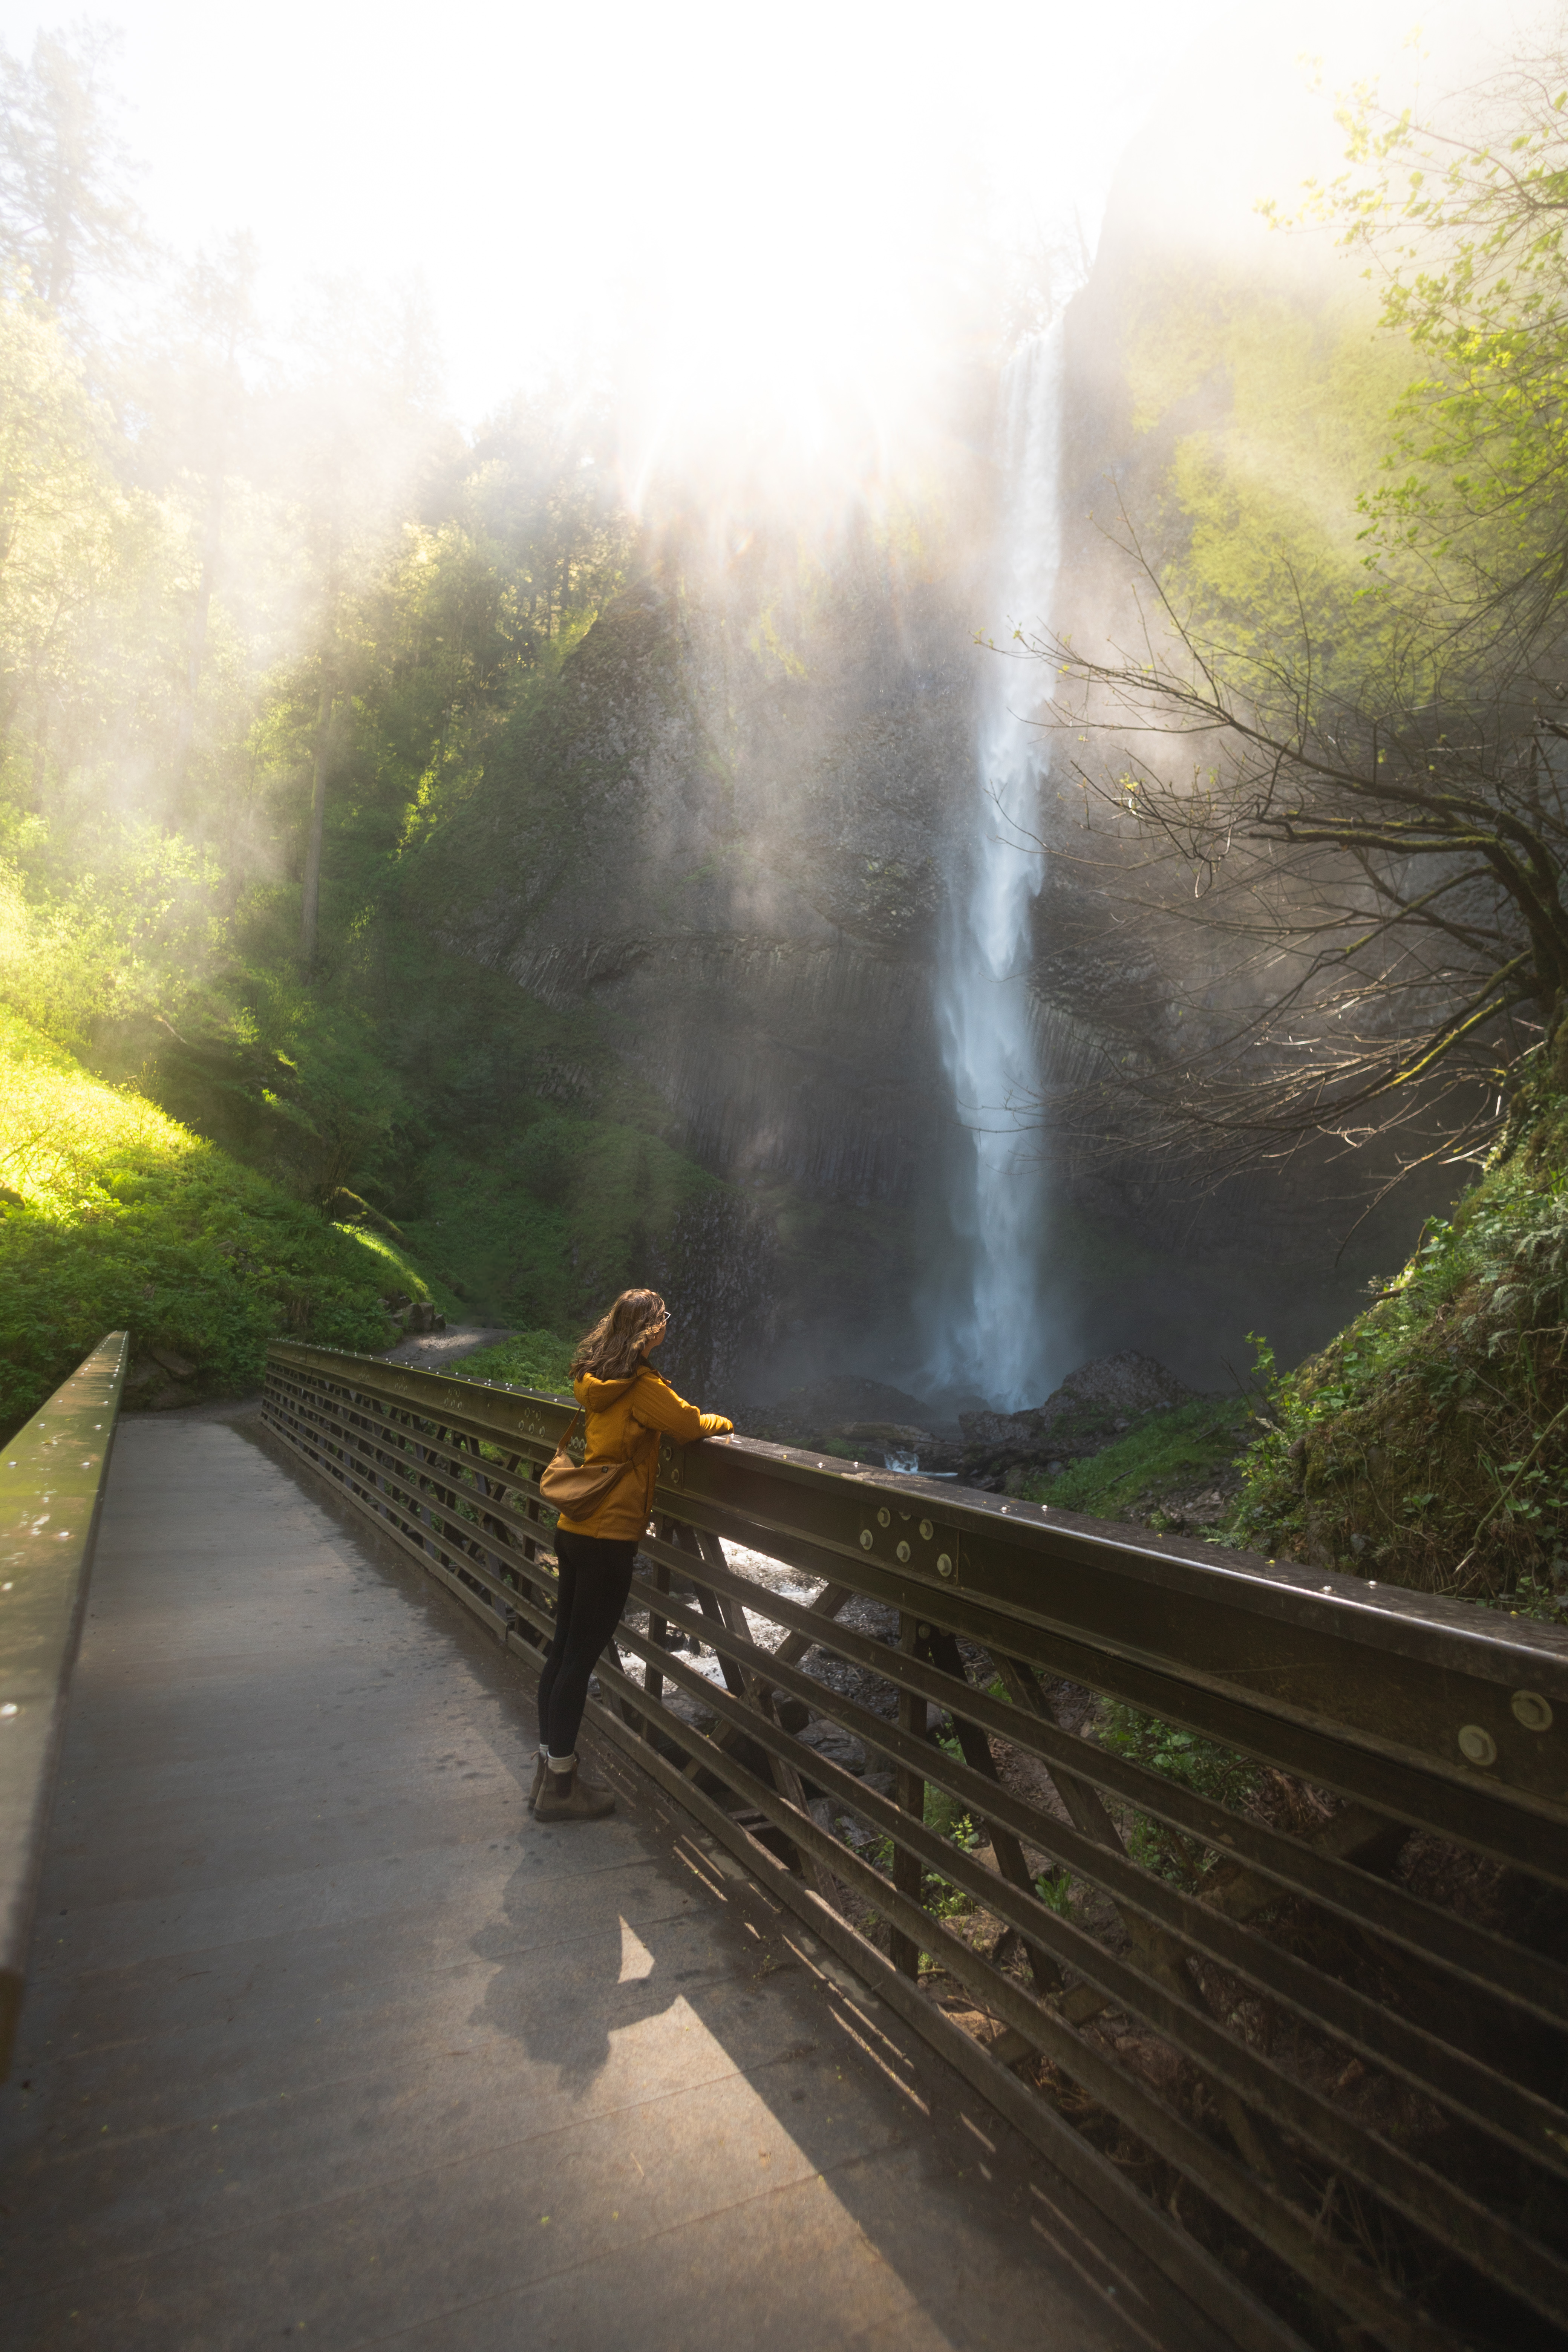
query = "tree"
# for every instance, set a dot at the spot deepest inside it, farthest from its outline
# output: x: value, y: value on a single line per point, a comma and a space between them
x: 1345, y: 839
x: 221, y: 329
x: 355, y: 433
x: 1461, y: 223
x: 1353, y: 900
x: 64, y: 212
x: 84, y: 566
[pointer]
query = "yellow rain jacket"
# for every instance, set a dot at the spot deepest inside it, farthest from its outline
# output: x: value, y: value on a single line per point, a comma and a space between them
x: 626, y: 1420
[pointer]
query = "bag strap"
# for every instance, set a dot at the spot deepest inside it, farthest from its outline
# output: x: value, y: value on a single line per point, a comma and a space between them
x: 580, y: 1415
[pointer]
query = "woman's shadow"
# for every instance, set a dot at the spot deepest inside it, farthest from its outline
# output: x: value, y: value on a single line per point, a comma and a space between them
x: 572, y: 1967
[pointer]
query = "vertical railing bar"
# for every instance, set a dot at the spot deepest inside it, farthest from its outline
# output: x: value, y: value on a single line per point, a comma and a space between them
x: 786, y: 1775
x: 908, y: 1871
x: 1010, y: 1859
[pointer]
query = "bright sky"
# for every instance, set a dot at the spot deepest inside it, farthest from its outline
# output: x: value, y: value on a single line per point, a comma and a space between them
x: 756, y: 182
x: 780, y: 226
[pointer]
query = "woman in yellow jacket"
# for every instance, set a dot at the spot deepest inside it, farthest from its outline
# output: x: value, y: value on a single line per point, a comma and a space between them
x: 628, y: 1410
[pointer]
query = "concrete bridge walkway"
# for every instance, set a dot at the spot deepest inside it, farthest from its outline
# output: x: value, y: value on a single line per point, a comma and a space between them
x: 326, y: 2042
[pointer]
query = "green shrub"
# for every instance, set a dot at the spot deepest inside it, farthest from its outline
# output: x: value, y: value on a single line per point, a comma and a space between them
x: 546, y: 1163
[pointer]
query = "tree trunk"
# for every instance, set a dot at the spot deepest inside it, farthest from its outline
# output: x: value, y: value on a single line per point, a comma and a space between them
x: 212, y: 541
x: 310, y: 903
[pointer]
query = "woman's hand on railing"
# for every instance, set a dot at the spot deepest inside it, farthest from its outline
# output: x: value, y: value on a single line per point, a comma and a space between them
x: 715, y: 1425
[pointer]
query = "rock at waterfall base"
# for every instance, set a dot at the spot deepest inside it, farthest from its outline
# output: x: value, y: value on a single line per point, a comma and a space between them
x: 1092, y: 1408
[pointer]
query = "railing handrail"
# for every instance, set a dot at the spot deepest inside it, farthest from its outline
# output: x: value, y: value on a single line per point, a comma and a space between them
x: 1166, y: 1622
x: 53, y: 1474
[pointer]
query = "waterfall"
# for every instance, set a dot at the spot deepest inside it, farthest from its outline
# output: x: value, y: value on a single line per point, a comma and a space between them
x: 993, y: 1335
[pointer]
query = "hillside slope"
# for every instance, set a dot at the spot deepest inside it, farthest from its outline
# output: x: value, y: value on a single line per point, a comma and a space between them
x: 1427, y: 1444
x: 114, y: 1217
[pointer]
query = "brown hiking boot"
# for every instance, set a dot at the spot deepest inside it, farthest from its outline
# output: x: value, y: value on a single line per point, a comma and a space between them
x: 538, y: 1783
x: 567, y: 1797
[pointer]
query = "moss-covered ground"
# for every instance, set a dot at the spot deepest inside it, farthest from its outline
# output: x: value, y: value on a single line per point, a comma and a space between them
x: 1428, y: 1444
x: 115, y: 1217
x: 1162, y: 1454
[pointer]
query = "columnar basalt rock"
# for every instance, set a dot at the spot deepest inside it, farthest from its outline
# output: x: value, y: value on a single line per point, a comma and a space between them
x: 725, y: 830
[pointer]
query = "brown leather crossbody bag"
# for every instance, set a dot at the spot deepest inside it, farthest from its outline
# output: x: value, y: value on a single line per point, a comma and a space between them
x: 573, y: 1486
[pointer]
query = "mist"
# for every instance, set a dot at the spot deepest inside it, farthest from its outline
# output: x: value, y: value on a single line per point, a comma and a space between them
x: 547, y: 517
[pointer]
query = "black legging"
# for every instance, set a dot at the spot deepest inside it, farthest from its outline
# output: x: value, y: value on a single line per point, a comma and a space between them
x: 595, y: 1578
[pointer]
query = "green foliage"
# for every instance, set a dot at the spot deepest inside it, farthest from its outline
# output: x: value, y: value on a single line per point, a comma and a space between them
x: 546, y: 1161
x: 1426, y: 1444
x: 91, y: 572
x: 1462, y: 227
x: 1163, y: 1450
x: 1189, y: 1760
x: 396, y: 1270
x: 117, y: 1219
x: 1271, y: 412
x: 1054, y: 1888
x: 528, y: 1360
x: 92, y: 939
x: 553, y: 1265
x: 226, y: 584
x: 947, y: 1817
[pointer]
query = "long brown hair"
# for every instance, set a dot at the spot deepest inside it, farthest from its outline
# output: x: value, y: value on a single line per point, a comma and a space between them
x: 613, y: 1349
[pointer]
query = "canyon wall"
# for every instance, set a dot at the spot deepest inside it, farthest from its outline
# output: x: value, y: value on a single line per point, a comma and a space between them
x: 727, y: 827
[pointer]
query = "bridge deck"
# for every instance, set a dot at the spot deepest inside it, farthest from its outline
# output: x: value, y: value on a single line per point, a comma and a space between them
x: 325, y: 2038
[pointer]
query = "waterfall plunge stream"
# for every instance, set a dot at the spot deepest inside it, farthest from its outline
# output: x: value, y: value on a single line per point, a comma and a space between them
x: 993, y: 1335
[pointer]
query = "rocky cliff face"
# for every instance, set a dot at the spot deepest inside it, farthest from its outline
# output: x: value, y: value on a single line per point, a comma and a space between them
x: 725, y: 828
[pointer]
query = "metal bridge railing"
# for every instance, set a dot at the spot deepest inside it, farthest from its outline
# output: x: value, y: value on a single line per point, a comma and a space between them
x: 1317, y: 2077
x: 52, y: 1490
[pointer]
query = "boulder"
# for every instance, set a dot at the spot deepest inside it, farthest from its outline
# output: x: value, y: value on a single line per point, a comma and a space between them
x: 1092, y: 1408
x: 899, y: 1444
x: 823, y: 1410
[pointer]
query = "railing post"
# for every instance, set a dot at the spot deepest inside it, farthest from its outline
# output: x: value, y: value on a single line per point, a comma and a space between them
x: 657, y: 1633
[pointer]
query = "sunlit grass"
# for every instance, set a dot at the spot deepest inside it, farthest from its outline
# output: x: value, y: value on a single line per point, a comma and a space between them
x: 528, y: 1360
x: 396, y: 1270
x: 114, y: 1217
x: 65, y: 1136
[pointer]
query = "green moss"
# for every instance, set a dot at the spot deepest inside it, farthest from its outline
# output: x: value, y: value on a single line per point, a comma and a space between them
x: 1162, y: 1451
